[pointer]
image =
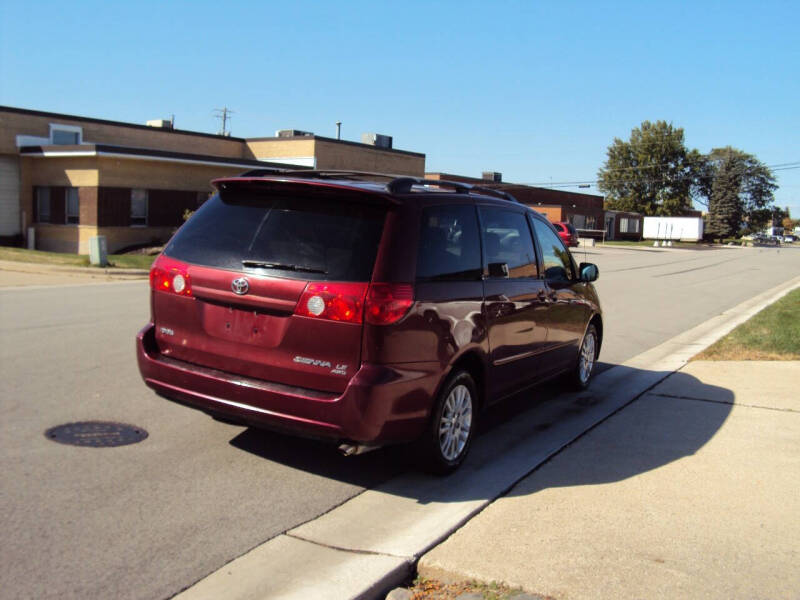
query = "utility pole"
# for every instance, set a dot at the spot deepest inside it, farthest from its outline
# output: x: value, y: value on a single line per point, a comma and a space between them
x: 223, y: 114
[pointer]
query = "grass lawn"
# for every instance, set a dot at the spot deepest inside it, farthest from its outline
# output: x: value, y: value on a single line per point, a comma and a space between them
x: 431, y: 589
x: 124, y: 261
x: 772, y: 334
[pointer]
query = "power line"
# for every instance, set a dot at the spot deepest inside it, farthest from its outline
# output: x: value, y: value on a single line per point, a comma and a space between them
x: 778, y: 167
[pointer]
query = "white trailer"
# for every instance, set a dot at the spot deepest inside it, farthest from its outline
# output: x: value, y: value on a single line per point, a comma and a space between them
x: 687, y: 229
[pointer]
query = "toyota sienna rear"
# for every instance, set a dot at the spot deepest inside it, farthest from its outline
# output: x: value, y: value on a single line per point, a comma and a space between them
x: 362, y: 312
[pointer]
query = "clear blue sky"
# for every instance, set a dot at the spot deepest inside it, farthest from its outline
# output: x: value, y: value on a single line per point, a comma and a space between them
x: 536, y: 90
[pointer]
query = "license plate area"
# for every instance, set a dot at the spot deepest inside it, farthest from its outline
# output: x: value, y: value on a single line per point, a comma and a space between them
x: 243, y: 326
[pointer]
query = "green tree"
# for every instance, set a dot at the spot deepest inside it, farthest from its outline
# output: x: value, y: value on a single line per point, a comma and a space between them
x: 727, y: 176
x: 652, y: 173
x: 725, y: 206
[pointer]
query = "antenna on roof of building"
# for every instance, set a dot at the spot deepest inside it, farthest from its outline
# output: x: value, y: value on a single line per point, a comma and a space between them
x: 224, y: 115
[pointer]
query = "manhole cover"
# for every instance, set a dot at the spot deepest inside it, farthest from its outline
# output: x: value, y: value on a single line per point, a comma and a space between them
x: 96, y: 434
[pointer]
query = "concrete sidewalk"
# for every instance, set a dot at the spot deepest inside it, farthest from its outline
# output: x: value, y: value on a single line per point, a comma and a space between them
x: 691, y: 491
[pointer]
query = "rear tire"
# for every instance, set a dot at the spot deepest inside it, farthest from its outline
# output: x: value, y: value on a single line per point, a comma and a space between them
x: 581, y: 374
x: 446, y: 441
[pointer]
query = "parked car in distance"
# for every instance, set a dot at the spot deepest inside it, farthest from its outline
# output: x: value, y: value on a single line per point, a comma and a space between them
x: 762, y: 239
x: 789, y: 239
x: 567, y: 233
x: 365, y: 310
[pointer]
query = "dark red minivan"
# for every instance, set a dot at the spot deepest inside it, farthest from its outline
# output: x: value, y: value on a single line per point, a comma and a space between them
x: 365, y: 309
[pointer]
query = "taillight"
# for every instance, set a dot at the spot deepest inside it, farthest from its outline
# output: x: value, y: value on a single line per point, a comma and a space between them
x: 170, y: 275
x: 387, y: 303
x: 333, y: 301
x: 375, y: 303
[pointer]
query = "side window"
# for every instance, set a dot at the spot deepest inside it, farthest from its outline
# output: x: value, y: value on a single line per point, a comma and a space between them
x: 555, y: 257
x: 507, y: 239
x: 73, y: 205
x: 138, y: 207
x: 449, y: 248
x: 43, y: 204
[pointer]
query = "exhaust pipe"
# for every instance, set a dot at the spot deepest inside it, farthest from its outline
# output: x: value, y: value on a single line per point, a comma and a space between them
x: 348, y: 449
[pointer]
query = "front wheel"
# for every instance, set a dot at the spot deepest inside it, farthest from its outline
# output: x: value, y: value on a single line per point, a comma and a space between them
x: 587, y: 356
x: 447, y: 440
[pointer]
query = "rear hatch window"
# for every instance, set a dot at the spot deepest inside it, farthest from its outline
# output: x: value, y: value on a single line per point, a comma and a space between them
x: 283, y: 246
x: 300, y: 238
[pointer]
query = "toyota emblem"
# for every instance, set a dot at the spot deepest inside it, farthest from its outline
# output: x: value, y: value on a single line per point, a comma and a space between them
x: 240, y: 286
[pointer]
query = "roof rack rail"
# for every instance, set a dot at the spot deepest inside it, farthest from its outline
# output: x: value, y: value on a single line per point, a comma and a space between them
x: 396, y: 184
x: 495, y: 192
x: 403, y: 185
x: 337, y: 174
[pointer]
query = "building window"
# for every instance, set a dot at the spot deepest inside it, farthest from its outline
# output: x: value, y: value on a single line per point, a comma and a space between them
x: 73, y: 205
x: 65, y: 135
x: 139, y: 207
x: 578, y: 221
x: 627, y: 225
x: 43, y: 204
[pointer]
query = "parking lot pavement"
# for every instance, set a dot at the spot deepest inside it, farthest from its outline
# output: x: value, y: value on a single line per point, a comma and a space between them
x: 689, y: 492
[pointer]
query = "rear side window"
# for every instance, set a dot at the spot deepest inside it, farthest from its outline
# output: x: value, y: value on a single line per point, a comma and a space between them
x: 449, y: 247
x: 296, y: 237
x: 555, y: 257
x: 507, y: 239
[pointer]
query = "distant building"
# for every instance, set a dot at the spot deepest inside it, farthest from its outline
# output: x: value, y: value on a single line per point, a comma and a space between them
x: 71, y: 178
x: 584, y: 211
x: 622, y: 225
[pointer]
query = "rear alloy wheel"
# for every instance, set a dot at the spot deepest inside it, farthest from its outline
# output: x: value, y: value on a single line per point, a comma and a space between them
x: 587, y: 357
x: 447, y: 440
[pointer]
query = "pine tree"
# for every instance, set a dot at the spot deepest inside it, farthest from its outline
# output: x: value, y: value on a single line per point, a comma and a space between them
x: 725, y: 205
x: 729, y: 176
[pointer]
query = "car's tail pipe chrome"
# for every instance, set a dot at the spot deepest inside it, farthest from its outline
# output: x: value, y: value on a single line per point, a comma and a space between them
x: 348, y: 449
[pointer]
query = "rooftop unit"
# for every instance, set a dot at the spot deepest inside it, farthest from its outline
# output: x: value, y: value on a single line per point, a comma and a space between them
x: 377, y: 139
x: 160, y: 123
x: 288, y: 133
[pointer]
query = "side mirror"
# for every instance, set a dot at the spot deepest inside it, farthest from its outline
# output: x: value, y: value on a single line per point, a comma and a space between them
x: 589, y: 272
x: 498, y: 270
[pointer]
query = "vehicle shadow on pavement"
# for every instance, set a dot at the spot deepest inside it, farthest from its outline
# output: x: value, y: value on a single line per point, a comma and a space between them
x: 367, y: 470
x: 517, y: 435
x: 657, y: 429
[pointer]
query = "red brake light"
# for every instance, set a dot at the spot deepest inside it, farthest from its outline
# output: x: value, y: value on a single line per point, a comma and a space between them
x: 333, y: 301
x: 170, y: 275
x: 387, y: 303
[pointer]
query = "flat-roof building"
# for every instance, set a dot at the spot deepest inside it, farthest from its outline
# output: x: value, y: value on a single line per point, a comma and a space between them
x: 71, y: 178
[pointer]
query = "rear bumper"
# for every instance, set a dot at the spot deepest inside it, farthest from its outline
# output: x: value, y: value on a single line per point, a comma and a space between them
x: 381, y: 403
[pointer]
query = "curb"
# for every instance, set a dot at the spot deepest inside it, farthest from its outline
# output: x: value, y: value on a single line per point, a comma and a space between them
x: 29, y: 267
x: 373, y: 542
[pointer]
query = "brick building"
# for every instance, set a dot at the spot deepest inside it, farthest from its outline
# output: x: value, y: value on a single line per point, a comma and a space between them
x: 71, y: 178
x: 584, y: 211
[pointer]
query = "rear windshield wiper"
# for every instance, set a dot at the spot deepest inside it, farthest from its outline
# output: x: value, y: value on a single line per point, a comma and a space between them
x: 270, y: 265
